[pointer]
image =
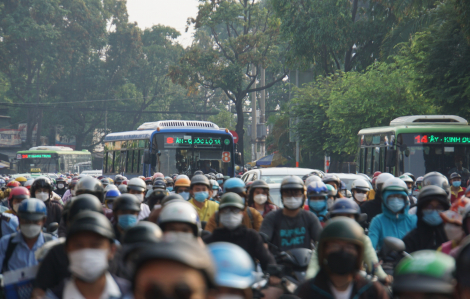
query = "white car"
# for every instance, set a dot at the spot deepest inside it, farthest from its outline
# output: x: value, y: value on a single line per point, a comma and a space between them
x: 349, y: 178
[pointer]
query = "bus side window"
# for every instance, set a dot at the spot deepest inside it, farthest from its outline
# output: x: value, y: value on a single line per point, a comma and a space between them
x: 139, y: 160
x: 368, y: 166
x: 130, y: 158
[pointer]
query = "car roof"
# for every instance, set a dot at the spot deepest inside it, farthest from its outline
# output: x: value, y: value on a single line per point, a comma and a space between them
x: 285, y: 171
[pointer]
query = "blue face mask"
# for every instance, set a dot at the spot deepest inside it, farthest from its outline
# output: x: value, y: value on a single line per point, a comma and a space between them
x: 395, y: 204
x: 432, y: 217
x: 169, y: 189
x: 185, y: 195
x: 317, y: 205
x: 220, y: 182
x: 456, y: 183
x: 201, y: 196
x: 127, y: 221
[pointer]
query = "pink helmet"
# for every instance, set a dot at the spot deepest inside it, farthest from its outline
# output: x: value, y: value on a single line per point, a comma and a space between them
x: 158, y: 175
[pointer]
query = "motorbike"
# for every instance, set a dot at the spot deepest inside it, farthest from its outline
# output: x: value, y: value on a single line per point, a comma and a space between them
x: 392, y: 252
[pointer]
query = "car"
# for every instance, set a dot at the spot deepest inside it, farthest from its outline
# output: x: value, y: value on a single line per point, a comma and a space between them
x: 274, y: 175
x: 349, y: 178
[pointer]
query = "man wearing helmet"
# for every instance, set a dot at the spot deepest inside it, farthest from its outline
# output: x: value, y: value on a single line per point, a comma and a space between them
x: 317, y: 195
x: 341, y: 253
x: 374, y: 207
x: 360, y: 189
x: 42, y: 189
x: 199, y: 190
x: 137, y: 187
x: 456, y: 188
x: 292, y: 226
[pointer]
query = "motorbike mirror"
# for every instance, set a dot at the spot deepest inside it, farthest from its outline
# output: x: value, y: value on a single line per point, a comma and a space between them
x: 52, y: 227
x: 393, y: 244
x: 362, y: 218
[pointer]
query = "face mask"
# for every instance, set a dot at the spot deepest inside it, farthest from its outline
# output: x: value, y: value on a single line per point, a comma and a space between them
x: 127, y: 221
x: 155, y: 207
x: 60, y: 186
x: 169, y: 189
x: 329, y: 203
x: 230, y: 220
x: 16, y: 206
x: 341, y: 262
x: 395, y: 204
x: 30, y: 230
x: 73, y: 192
x: 88, y: 264
x: 432, y: 217
x: 42, y: 196
x: 214, y: 193
x: 220, y: 182
x: 201, y: 196
x: 185, y: 195
x: 360, y: 197
x: 140, y: 197
x: 410, y: 191
x: 293, y: 203
x: 260, y: 198
x: 454, y: 232
x: 149, y: 187
x: 317, y: 205
x: 456, y: 183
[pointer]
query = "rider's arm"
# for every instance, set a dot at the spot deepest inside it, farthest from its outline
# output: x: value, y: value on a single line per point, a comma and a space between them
x: 371, y: 259
x: 267, y: 226
x: 314, y: 226
x: 313, y: 266
x: 262, y: 254
x: 211, y: 224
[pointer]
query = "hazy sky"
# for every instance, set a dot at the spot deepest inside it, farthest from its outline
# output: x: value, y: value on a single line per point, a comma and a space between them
x: 173, y: 13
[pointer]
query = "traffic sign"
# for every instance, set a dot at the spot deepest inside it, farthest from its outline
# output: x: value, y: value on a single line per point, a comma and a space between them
x: 235, y: 136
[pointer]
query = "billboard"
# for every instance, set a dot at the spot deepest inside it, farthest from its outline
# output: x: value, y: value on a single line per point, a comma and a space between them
x: 10, y: 138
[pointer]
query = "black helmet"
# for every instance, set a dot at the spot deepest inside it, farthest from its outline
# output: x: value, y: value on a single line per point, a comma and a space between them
x: 455, y: 175
x: 105, y: 182
x: 126, y: 202
x: 90, y: 221
x: 198, y: 172
x: 259, y: 184
x: 292, y: 182
x: 159, y: 184
x: 345, y: 206
x: 84, y: 202
x: 118, y: 180
x: 61, y: 180
x: 200, y: 180
x: 143, y: 232
x: 433, y: 192
x: 345, y: 229
x: 172, y: 197
x: 437, y: 179
x: 156, y: 197
x: 169, y: 180
x: 40, y: 182
x: 89, y: 185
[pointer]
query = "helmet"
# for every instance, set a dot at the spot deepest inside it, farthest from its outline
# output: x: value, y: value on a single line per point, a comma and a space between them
x: 13, y: 184
x: 433, y: 192
x: 182, y: 182
x: 406, y: 179
x: 317, y: 189
x: 345, y: 229
x: 410, y: 175
x: 126, y: 202
x: 158, y: 175
x: 292, y: 182
x: 105, y: 182
x: 21, y: 179
x: 381, y: 179
x: 171, y: 198
x: 312, y: 178
x: 198, y: 172
x: 394, y: 184
x: 345, y: 206
x: 89, y: 185
x: 84, y: 202
x: 328, y: 178
x: 451, y: 217
x: 419, y: 179
x: 111, y: 187
x: 41, y: 182
x: 2, y: 183
x: 452, y: 176
x: 425, y: 271
x: 200, y: 180
x: 32, y: 209
x: 234, y: 185
x: 231, y: 199
x: 376, y: 174
x: 136, y: 184
x: 219, y: 176
x: 331, y: 190
x: 159, y: 184
x: 143, y: 232
x: 109, y: 198
x: 18, y: 192
x: 122, y: 188
x: 156, y: 196
x: 234, y: 267
x: 259, y: 184
x: 360, y: 184
x: 118, y: 180
x: 90, y: 221
x: 214, y: 184
x: 61, y: 180
x: 125, y: 182
x: 437, y: 179
x: 180, y: 212
x: 169, y: 180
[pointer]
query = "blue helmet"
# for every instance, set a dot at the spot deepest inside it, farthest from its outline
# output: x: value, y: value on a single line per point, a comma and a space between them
x: 112, y: 194
x: 234, y: 185
x: 345, y: 206
x: 234, y: 267
x: 32, y: 209
x: 317, y: 189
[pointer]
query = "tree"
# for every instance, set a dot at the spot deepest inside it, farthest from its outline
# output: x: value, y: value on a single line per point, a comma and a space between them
x: 243, y: 37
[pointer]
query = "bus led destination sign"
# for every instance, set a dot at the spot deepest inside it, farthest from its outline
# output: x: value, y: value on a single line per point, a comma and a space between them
x: 33, y: 156
x: 441, y: 139
x: 187, y: 141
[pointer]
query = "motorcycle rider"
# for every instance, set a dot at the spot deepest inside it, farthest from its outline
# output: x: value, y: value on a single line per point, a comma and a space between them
x: 214, y: 192
x: 360, y: 189
x: 374, y: 207
x: 429, y: 232
x: 317, y: 197
x: 9, y: 218
x: 180, y: 218
x: 182, y: 186
x: 137, y: 188
x: 42, y: 189
x: 259, y: 198
x: 394, y: 220
x: 61, y: 187
x: 126, y: 209
x: 333, y: 180
x: 456, y: 188
x: 409, y: 183
x: 291, y: 226
x: 425, y: 274
x: 199, y: 191
x: 341, y: 254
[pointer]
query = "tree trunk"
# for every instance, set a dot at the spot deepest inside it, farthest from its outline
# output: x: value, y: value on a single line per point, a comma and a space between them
x: 239, y: 126
x: 38, y: 134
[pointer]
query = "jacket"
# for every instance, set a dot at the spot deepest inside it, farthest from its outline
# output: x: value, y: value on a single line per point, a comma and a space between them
x: 319, y: 288
x: 388, y: 224
x: 54, y: 212
x: 372, y: 208
x: 253, y: 222
x: 248, y: 239
x: 456, y: 195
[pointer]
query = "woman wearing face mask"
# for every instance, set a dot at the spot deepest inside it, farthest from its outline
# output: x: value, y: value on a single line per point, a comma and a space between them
x: 230, y: 216
x: 258, y: 198
x: 182, y: 186
x: 90, y: 245
x: 137, y: 187
x: 429, y: 233
x: 394, y: 220
x: 360, y: 189
x: 61, y: 187
x: 317, y: 195
x: 42, y: 190
x: 454, y: 232
x: 126, y: 209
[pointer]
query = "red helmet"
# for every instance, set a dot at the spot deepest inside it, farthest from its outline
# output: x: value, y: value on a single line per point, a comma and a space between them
x: 124, y: 182
x: 376, y: 174
x: 149, y: 179
x: 13, y: 184
x: 158, y: 175
x: 18, y: 192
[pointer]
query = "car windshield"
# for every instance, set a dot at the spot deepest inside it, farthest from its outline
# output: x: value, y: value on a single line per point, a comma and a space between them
x: 275, y: 179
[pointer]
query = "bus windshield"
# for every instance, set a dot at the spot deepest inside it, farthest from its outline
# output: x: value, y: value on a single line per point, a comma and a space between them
x: 45, y: 165
x: 446, y: 156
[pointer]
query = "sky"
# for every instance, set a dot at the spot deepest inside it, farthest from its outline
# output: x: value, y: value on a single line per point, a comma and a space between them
x: 172, y: 13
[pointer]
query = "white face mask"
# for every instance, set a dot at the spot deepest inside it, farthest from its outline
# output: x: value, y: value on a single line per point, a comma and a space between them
x: 214, y: 193
x: 260, y: 198
x: 30, y: 230
x: 44, y: 196
x: 293, y: 203
x: 231, y: 220
x: 329, y: 203
x: 60, y: 186
x: 454, y: 232
x: 155, y: 207
x: 73, y: 192
x: 140, y: 197
x: 88, y: 264
x: 360, y: 197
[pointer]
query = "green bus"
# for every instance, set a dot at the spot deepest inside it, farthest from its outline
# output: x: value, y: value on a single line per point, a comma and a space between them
x: 417, y: 144
x: 53, y: 159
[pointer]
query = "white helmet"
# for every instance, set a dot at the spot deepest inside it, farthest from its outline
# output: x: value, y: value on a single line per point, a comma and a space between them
x: 394, y: 184
x: 381, y: 179
x: 360, y: 184
x: 214, y: 184
x: 312, y: 178
x: 110, y: 187
x: 180, y: 212
x: 181, y: 176
x: 136, y: 184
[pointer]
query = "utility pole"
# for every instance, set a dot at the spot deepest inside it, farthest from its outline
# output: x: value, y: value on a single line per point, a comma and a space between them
x: 253, y: 117
x: 262, y: 116
x: 297, y: 145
